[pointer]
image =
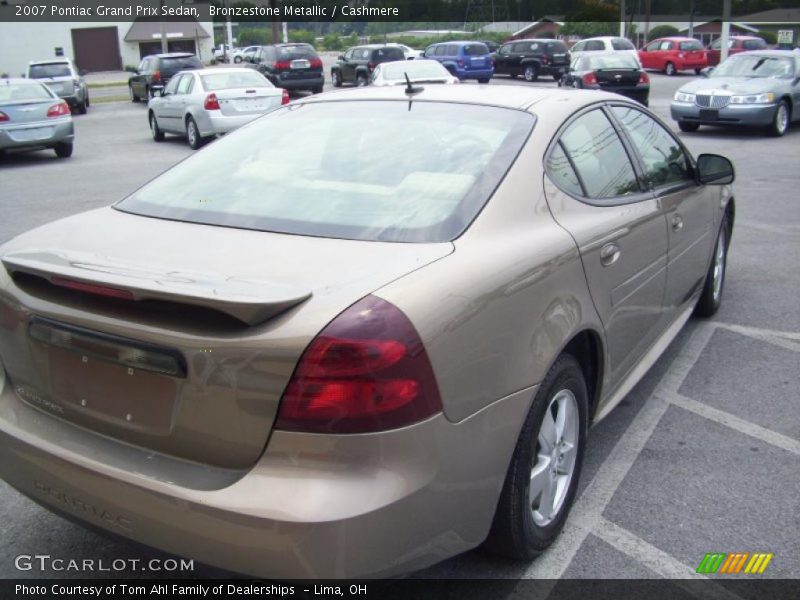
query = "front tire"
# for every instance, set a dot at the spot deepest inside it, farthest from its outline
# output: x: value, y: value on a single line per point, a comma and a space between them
x: 711, y: 296
x: 780, y: 121
x: 688, y: 127
x: 155, y: 130
x: 542, y: 478
x: 237, y: 59
x: 63, y: 149
x: 531, y: 73
x: 669, y: 69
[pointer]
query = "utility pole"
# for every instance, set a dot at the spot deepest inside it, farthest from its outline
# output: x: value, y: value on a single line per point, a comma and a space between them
x: 622, y: 18
x: 273, y: 4
x: 691, y: 18
x: 726, y: 29
x: 227, y: 48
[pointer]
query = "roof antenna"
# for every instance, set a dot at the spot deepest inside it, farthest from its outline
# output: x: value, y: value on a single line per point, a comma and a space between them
x: 411, y: 91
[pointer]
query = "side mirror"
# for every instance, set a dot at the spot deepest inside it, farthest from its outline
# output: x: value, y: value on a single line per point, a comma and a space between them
x: 341, y: 57
x: 158, y: 90
x: 706, y: 72
x: 714, y: 169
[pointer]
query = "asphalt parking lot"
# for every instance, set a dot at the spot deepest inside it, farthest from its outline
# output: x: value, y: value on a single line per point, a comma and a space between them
x: 702, y: 456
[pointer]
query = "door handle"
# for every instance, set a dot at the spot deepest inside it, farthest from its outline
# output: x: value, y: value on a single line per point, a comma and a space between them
x: 677, y: 223
x: 609, y: 254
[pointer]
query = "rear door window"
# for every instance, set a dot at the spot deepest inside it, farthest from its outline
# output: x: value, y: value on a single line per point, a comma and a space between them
x: 595, y: 45
x: 621, y: 44
x: 602, y: 163
x: 186, y: 84
x: 561, y: 172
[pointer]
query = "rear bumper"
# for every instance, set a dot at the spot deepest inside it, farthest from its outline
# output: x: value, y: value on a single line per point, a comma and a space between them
x: 639, y: 93
x: 307, y: 83
x: 738, y: 114
x: 475, y: 73
x: 48, y: 133
x: 314, y: 506
x: 218, y: 124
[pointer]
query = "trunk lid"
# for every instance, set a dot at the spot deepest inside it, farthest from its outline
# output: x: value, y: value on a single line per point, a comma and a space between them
x: 186, y: 355
x: 248, y: 101
x: 26, y: 111
x: 617, y: 77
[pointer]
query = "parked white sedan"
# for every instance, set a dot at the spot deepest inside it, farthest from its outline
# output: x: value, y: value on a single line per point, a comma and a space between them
x: 204, y: 103
x: 604, y: 45
x: 418, y: 71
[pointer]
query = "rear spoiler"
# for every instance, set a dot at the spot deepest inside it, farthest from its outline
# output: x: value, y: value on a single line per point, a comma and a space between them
x: 250, y: 301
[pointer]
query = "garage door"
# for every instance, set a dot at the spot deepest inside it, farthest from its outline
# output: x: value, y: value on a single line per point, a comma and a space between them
x: 97, y: 49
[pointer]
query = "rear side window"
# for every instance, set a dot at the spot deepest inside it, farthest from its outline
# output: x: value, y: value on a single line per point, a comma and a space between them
x: 600, y: 158
x: 441, y: 51
x: 416, y: 173
x: 692, y: 45
x: 387, y: 54
x: 475, y: 49
x: 452, y: 50
x: 562, y: 173
x: 184, y: 62
x: 665, y: 46
x: 622, y: 44
x: 754, y: 44
x: 49, y: 70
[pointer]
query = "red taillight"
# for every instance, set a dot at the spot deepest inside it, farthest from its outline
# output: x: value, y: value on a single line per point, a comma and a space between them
x: 371, y: 66
x: 156, y: 76
x: 282, y: 65
x: 545, y: 60
x: 211, y: 102
x: 92, y: 288
x: 644, y: 78
x: 285, y: 98
x: 590, y: 79
x: 58, y: 110
x: 315, y: 63
x: 3, y: 117
x: 366, y: 371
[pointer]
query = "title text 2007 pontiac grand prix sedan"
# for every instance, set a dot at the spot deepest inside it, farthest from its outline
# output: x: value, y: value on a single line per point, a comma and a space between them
x: 364, y: 333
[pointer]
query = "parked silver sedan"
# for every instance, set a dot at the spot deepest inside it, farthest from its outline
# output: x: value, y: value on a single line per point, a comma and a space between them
x: 418, y: 71
x: 32, y: 117
x: 204, y: 103
x: 759, y: 88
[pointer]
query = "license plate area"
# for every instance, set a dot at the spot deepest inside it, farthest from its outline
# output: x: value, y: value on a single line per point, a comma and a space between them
x: 299, y: 64
x: 707, y: 114
x: 31, y: 134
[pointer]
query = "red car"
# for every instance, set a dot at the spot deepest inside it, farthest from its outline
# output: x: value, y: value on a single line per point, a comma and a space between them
x: 736, y: 44
x: 674, y: 54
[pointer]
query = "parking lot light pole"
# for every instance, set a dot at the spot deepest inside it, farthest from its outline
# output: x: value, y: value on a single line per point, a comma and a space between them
x: 163, y: 26
x: 726, y: 29
x: 622, y: 18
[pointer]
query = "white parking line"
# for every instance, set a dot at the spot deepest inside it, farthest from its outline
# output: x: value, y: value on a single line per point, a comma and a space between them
x: 658, y: 561
x: 588, y: 509
x: 733, y: 422
x: 789, y: 340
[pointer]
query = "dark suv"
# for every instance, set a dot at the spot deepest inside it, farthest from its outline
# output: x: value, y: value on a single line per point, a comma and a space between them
x: 531, y: 58
x: 156, y: 70
x: 290, y: 66
x: 356, y: 65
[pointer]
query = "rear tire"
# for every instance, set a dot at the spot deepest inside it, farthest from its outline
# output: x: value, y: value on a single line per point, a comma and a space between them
x: 698, y: 71
x: 336, y: 78
x: 557, y: 76
x: 531, y: 73
x: 155, y: 130
x: 63, y: 149
x: 316, y: 90
x: 542, y: 478
x: 82, y: 108
x: 237, y: 59
x: 669, y: 69
x: 688, y: 127
x: 132, y: 94
x: 193, y: 134
x: 484, y: 80
x: 361, y: 80
x: 780, y: 121
x: 711, y: 296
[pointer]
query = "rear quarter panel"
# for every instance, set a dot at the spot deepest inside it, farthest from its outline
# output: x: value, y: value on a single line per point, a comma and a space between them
x: 496, y: 313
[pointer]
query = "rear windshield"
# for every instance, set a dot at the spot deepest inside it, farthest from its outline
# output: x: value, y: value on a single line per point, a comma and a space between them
x: 292, y: 52
x: 364, y: 170
x: 234, y: 79
x: 184, y: 62
x: 692, y: 45
x: 416, y: 69
x: 621, y: 44
x: 556, y: 46
x: 49, y: 70
x: 11, y: 92
x: 475, y: 49
x: 387, y: 54
x: 610, y: 61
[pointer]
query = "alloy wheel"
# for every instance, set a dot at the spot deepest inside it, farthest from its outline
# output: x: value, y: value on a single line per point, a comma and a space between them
x: 555, y: 455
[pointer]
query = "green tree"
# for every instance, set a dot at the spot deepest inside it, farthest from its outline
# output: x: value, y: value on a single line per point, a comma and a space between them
x: 332, y: 42
x: 302, y: 36
x: 660, y: 31
x: 253, y: 37
x: 586, y: 29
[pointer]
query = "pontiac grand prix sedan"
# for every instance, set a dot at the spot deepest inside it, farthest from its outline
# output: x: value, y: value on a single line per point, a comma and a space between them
x: 292, y: 361
x: 759, y: 88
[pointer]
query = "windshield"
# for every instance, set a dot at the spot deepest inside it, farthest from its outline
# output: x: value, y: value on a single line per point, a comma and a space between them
x: 13, y: 92
x: 49, y: 70
x: 234, y: 79
x: 749, y: 65
x: 612, y: 61
x: 366, y: 170
x: 416, y: 69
